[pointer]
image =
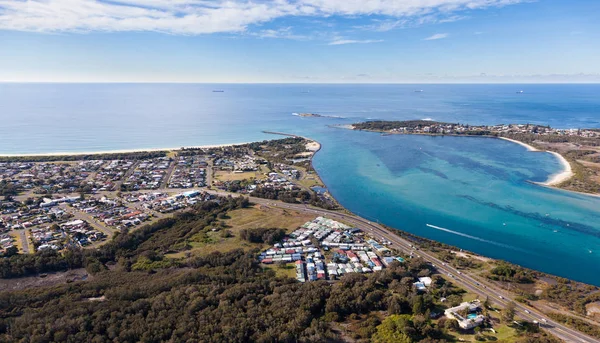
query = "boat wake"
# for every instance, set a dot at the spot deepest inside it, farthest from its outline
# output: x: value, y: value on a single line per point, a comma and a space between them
x: 475, y: 238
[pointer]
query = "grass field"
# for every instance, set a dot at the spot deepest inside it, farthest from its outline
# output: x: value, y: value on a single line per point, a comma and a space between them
x: 288, y: 270
x: 255, y: 217
x: 17, y: 238
x: 223, y: 175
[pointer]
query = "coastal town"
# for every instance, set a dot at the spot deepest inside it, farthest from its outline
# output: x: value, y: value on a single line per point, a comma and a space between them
x: 60, y: 204
x: 433, y: 127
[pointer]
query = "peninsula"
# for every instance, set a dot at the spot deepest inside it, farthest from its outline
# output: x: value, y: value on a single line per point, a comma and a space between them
x: 578, y: 150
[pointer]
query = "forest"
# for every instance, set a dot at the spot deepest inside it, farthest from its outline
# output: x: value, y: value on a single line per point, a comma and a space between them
x: 134, y: 293
x: 138, y: 155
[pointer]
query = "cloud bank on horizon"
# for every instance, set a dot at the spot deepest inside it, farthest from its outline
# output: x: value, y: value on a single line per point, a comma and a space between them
x: 197, y: 17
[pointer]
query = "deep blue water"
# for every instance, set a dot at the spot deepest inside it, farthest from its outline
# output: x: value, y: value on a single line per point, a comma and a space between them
x: 472, y: 191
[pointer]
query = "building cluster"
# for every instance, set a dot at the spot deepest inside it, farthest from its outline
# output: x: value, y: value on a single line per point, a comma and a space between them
x: 112, y: 213
x: 288, y: 171
x: 6, y: 242
x: 165, y: 203
x: 148, y: 174
x: 189, y: 171
x: 10, y: 169
x: 468, y: 314
x: 113, y: 171
x: 48, y: 177
x: 325, y: 249
x: 241, y: 164
x: 16, y: 216
x: 445, y: 128
x: 68, y: 233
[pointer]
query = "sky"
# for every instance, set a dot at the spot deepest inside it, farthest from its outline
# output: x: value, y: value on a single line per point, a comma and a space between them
x: 300, y: 41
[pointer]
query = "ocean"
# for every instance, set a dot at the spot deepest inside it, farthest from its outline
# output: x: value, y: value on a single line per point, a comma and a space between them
x: 469, y: 192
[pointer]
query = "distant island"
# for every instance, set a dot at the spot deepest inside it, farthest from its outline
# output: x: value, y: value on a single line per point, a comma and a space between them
x: 577, y: 149
x: 314, y: 115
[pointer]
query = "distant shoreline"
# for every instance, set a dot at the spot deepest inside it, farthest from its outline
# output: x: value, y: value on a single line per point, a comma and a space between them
x: 553, y: 180
x: 122, y: 151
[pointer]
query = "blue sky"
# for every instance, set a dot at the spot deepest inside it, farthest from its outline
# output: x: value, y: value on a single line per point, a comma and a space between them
x: 299, y: 41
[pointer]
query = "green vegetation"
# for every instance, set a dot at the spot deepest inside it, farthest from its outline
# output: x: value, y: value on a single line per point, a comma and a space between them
x: 141, y: 155
x: 511, y: 273
x: 572, y: 295
x: 577, y: 324
x: 263, y: 235
x: 293, y: 196
x: 8, y: 189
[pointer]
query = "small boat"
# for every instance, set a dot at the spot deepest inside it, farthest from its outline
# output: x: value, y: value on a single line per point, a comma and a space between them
x: 519, y: 92
x: 503, y: 224
x: 218, y: 91
x: 419, y: 91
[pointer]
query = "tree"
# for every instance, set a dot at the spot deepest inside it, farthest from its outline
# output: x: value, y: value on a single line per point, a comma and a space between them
x: 451, y: 325
x: 393, y: 330
x: 508, y: 314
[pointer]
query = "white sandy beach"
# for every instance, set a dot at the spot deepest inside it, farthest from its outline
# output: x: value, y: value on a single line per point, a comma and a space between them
x: 121, y: 151
x: 529, y: 147
x: 561, y: 177
x: 554, y: 179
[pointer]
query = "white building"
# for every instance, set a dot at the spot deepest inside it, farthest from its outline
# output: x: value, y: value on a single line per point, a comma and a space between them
x: 472, y: 320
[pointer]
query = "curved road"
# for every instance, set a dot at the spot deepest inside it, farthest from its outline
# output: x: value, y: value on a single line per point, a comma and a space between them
x: 469, y: 282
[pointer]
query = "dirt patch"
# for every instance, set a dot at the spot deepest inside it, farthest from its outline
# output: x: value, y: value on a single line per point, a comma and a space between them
x: 476, y: 257
x: 593, y: 309
x: 43, y: 280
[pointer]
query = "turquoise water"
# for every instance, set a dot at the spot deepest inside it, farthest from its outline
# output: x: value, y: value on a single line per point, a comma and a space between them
x: 473, y: 192
x: 471, y: 316
x: 469, y: 192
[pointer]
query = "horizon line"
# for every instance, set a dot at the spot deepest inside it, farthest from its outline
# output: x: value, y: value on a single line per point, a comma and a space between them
x: 304, y: 83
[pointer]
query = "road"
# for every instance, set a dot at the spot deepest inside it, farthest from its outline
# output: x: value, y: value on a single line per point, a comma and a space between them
x: 469, y: 282
x: 24, y: 241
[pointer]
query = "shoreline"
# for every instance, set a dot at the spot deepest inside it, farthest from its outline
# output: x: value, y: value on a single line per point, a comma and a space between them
x: 122, y: 151
x: 560, y: 177
x: 556, y: 178
x: 553, y: 180
x: 529, y: 147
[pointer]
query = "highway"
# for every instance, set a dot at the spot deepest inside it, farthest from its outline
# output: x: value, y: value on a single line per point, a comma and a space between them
x: 468, y: 282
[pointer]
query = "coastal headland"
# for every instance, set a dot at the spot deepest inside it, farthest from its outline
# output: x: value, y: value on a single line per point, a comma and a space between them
x: 577, y: 150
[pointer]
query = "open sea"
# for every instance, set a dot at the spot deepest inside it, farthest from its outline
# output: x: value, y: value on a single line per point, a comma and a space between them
x: 469, y: 192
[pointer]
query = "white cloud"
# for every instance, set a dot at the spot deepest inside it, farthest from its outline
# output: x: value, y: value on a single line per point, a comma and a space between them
x: 437, y: 36
x: 353, y: 41
x: 193, y: 17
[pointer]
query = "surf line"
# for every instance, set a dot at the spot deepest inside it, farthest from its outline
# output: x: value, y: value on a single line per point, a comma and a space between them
x: 476, y: 238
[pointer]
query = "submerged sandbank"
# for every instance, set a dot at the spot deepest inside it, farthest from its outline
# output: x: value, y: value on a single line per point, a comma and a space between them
x: 554, y: 179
